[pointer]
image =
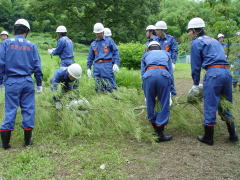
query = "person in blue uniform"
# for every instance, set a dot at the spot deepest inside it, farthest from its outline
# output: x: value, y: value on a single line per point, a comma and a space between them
x: 19, y: 59
x: 156, y: 72
x: 236, y: 71
x: 221, y: 40
x: 104, y: 57
x: 64, y: 47
x: 169, y: 44
x: 4, y: 35
x: 208, y: 53
x: 67, y: 76
x: 150, y: 34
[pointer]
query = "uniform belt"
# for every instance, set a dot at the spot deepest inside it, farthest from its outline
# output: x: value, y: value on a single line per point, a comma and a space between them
x: 156, y: 67
x: 103, y: 60
x: 218, y: 66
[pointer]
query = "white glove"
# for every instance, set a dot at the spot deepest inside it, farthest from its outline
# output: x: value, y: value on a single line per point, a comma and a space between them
x: 194, y: 90
x: 89, y: 73
x: 1, y: 88
x: 39, y: 89
x: 51, y: 50
x: 58, y: 105
x: 231, y: 66
x: 173, y: 67
x: 115, y: 68
x: 170, y: 99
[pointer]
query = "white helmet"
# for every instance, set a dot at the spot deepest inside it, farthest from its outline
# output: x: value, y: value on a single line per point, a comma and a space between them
x: 61, y: 29
x: 4, y: 33
x: 98, y: 28
x: 220, y: 35
x: 161, y: 25
x: 196, y: 23
x: 151, y: 27
x: 153, y: 43
x: 107, y: 32
x: 23, y: 22
x: 75, y: 70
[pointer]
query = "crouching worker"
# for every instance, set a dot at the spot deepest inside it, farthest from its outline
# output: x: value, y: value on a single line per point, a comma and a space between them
x: 156, y: 71
x: 19, y: 59
x: 68, y: 77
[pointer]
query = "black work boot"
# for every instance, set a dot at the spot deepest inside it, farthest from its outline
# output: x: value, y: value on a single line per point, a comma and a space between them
x: 27, y: 137
x: 232, y: 131
x: 208, y: 135
x: 5, y: 136
x: 155, y: 128
x: 161, y: 137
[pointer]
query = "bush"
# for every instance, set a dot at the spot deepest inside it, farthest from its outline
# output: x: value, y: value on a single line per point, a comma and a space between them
x: 131, y: 55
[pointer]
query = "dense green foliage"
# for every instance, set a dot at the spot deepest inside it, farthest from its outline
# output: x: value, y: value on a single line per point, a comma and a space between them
x: 131, y: 54
x: 127, y: 19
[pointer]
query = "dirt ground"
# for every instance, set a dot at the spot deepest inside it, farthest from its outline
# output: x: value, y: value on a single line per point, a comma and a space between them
x: 184, y: 157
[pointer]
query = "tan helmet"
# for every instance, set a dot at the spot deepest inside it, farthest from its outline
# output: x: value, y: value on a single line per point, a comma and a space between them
x: 75, y: 70
x: 98, y: 28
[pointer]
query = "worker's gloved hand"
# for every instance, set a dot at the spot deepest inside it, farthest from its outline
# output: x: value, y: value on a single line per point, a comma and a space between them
x: 89, y: 73
x: 194, y: 90
x: 170, y: 100
x: 51, y: 50
x: 231, y: 66
x: 1, y: 88
x: 173, y: 67
x: 115, y: 68
x: 39, y: 89
x: 58, y: 105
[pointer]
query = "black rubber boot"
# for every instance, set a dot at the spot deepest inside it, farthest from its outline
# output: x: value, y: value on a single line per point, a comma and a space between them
x: 155, y: 128
x: 27, y: 137
x: 161, y: 137
x: 208, y: 135
x: 232, y: 131
x: 5, y: 136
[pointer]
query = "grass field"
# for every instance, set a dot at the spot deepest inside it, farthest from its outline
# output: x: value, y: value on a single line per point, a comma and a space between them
x: 114, y: 141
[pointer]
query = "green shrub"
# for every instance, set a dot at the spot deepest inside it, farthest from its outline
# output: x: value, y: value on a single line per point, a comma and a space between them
x: 131, y: 55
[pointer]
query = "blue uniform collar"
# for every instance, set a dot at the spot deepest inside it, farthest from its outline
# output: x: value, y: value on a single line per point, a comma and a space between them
x: 20, y: 36
x: 104, y: 38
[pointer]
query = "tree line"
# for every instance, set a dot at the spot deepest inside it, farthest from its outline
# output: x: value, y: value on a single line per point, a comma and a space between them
x: 126, y: 19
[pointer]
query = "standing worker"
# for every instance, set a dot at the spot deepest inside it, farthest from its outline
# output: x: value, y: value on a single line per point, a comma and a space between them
x: 208, y: 53
x: 64, y: 47
x: 107, y: 32
x: 236, y: 72
x: 19, y: 59
x: 104, y: 56
x: 221, y: 40
x: 4, y: 35
x: 150, y: 34
x: 169, y: 44
x: 156, y: 70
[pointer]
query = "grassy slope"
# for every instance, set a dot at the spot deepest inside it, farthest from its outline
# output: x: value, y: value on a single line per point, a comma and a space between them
x: 72, y: 146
